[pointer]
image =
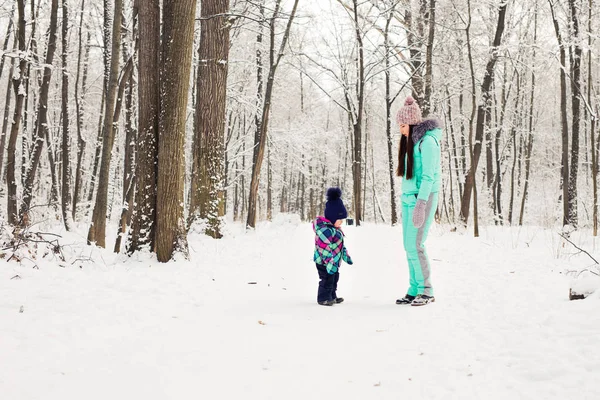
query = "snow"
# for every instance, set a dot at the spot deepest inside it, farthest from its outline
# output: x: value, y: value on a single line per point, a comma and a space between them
x: 240, y: 320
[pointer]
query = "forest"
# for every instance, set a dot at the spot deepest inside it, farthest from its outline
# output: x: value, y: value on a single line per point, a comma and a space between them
x: 161, y: 118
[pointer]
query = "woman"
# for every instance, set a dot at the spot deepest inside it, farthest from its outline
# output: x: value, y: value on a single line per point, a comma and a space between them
x: 419, y: 166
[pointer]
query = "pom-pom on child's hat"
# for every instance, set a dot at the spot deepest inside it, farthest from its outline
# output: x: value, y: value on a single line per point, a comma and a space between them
x: 334, y: 207
x: 410, y: 114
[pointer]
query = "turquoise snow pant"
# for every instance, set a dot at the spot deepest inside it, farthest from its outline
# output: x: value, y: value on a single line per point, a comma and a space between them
x: 419, y: 267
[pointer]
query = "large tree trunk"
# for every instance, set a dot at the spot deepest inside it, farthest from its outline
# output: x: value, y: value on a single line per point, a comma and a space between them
x: 274, y: 60
x: 177, y: 46
x: 207, y: 197
x: 481, y: 112
x: 42, y: 117
x: 12, y: 208
x: 97, y: 232
x: 66, y: 145
x: 143, y: 224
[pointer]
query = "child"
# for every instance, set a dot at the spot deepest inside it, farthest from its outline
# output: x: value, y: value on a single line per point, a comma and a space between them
x: 329, y: 247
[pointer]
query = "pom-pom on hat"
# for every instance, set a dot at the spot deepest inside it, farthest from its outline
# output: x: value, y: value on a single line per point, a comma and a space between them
x: 334, y: 207
x: 410, y: 113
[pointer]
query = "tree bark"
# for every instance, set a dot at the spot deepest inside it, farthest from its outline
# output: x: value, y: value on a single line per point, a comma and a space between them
x: 66, y: 143
x: 208, y: 194
x: 12, y: 208
x: 143, y: 223
x: 576, y: 94
x: 177, y: 46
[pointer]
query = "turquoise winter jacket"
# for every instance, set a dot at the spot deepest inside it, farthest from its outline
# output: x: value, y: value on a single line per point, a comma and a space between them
x: 427, y: 167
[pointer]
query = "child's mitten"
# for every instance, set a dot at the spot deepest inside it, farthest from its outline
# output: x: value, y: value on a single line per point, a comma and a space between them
x: 419, y: 213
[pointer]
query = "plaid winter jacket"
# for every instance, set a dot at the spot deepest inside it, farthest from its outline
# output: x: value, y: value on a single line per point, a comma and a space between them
x: 329, y: 245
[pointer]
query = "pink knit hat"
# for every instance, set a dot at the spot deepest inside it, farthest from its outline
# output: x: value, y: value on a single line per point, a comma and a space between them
x: 410, y: 114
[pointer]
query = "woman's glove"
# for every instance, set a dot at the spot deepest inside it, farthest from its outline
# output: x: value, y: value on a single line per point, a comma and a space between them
x: 419, y: 213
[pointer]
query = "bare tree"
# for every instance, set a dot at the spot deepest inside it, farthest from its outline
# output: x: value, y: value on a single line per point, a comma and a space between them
x: 66, y: 143
x: 79, y: 99
x: 274, y: 60
x: 482, y: 108
x: 97, y: 231
x: 42, y: 132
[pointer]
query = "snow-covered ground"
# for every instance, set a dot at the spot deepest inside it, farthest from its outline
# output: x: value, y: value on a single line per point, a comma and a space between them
x: 240, y: 321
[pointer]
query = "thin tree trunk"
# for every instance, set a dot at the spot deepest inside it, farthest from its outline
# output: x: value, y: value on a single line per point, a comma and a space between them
x: 564, y: 122
x: 178, y: 34
x: 127, y: 82
x: 592, y: 126
x: 98, y: 150
x: 470, y: 183
x: 454, y: 149
x: 97, y: 231
x: 575, y: 114
x: 8, y: 99
x: 529, y: 150
x: 430, y: 18
x: 66, y: 143
x: 42, y: 117
x: 79, y: 99
x: 12, y: 208
x: 388, y: 117
x: 269, y: 184
x: 9, y: 31
x: 357, y: 123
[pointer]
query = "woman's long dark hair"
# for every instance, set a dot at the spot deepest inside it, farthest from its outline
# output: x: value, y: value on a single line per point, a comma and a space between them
x: 406, y: 149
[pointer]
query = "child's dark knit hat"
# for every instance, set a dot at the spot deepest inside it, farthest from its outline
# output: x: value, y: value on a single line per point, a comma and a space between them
x: 334, y: 207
